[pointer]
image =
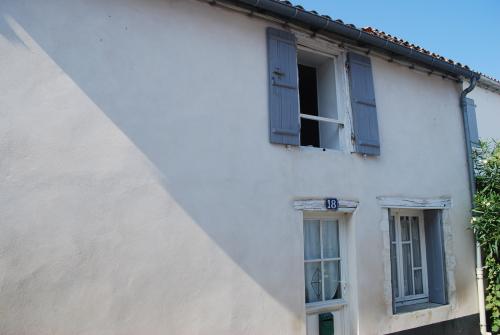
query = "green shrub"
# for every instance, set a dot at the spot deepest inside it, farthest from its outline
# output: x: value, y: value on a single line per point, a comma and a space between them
x: 486, y: 222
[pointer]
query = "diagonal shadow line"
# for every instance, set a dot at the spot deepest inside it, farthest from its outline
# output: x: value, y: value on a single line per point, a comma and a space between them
x: 141, y: 118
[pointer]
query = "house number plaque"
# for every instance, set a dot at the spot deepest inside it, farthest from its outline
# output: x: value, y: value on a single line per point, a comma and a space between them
x: 332, y: 204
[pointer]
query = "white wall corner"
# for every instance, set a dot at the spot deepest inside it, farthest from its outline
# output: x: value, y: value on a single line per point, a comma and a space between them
x: 386, y: 255
x: 450, y: 259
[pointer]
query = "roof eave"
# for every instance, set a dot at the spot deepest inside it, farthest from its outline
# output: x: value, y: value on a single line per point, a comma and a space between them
x: 319, y: 23
x: 489, y: 83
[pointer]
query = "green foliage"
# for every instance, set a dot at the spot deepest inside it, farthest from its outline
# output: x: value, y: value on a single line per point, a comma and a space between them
x: 486, y: 222
x: 493, y: 291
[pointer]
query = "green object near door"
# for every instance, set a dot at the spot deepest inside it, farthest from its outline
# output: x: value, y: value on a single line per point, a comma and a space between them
x: 326, y: 324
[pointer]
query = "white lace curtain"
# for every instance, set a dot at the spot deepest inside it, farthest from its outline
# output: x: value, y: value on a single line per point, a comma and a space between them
x: 322, y: 260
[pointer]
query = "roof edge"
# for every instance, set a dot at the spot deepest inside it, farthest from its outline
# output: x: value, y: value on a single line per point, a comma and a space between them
x: 312, y: 20
x: 489, y: 83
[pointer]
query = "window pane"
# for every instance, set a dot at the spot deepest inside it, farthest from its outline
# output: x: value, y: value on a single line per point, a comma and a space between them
x: 327, y: 99
x: 308, y: 99
x: 394, y: 257
x: 313, y: 281
x: 331, y: 239
x: 394, y: 271
x: 419, y: 286
x: 329, y: 134
x: 415, y: 238
x: 332, y: 280
x: 309, y: 133
x: 308, y: 90
x: 392, y: 228
x: 407, y: 270
x: 405, y: 228
x: 312, y: 248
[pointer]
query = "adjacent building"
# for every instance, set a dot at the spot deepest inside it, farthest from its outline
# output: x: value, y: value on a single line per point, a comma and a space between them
x: 487, y: 100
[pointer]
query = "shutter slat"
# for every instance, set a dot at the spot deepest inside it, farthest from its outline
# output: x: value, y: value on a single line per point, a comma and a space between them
x: 285, y: 131
x: 284, y: 123
x: 472, y: 122
x: 364, y: 107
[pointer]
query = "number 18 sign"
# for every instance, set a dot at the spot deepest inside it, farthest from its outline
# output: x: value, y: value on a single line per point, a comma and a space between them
x: 332, y: 204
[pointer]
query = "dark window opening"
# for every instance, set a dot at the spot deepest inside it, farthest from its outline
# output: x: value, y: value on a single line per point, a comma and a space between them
x: 308, y: 95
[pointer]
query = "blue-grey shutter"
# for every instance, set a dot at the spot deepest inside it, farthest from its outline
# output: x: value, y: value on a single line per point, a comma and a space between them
x: 284, y: 123
x: 472, y: 122
x: 436, y: 266
x: 364, y: 109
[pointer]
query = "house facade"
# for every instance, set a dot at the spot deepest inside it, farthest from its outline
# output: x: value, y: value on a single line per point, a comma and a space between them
x: 208, y: 167
x: 487, y: 99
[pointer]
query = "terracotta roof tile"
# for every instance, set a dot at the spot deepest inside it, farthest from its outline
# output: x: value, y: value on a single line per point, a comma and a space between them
x: 407, y: 44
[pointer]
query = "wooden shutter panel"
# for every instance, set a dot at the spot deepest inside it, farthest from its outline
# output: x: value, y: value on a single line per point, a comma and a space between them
x: 436, y: 266
x: 364, y: 109
x: 284, y: 120
x: 472, y: 121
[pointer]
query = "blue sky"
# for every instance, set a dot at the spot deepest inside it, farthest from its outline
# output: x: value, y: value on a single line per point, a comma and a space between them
x: 465, y: 31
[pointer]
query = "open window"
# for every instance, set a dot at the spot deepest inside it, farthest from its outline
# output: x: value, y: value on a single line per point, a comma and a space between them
x: 320, y: 126
x: 308, y: 95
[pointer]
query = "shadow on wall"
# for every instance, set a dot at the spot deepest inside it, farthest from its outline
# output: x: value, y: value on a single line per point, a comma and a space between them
x: 7, y: 32
x: 121, y: 55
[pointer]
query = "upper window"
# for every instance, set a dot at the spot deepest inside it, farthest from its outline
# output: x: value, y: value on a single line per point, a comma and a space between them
x: 303, y: 95
x: 319, y: 119
x: 322, y: 260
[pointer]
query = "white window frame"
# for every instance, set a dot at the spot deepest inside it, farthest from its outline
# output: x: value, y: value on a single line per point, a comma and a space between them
x: 336, y: 304
x: 332, y: 57
x: 403, y: 300
x: 338, y: 56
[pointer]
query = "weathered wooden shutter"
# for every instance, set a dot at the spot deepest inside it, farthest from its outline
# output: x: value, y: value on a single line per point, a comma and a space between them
x: 472, y: 122
x: 364, y: 109
x: 436, y: 266
x: 284, y: 120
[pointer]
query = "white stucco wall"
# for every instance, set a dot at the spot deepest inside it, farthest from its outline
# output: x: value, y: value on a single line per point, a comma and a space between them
x: 140, y: 194
x: 487, y: 112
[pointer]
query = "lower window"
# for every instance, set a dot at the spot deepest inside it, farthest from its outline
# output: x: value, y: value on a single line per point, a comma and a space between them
x: 322, y: 261
x: 417, y: 259
x: 325, y: 272
x: 409, y: 266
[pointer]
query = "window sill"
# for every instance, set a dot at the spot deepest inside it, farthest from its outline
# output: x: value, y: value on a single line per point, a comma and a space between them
x: 325, y: 306
x: 416, y: 307
x: 316, y: 149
